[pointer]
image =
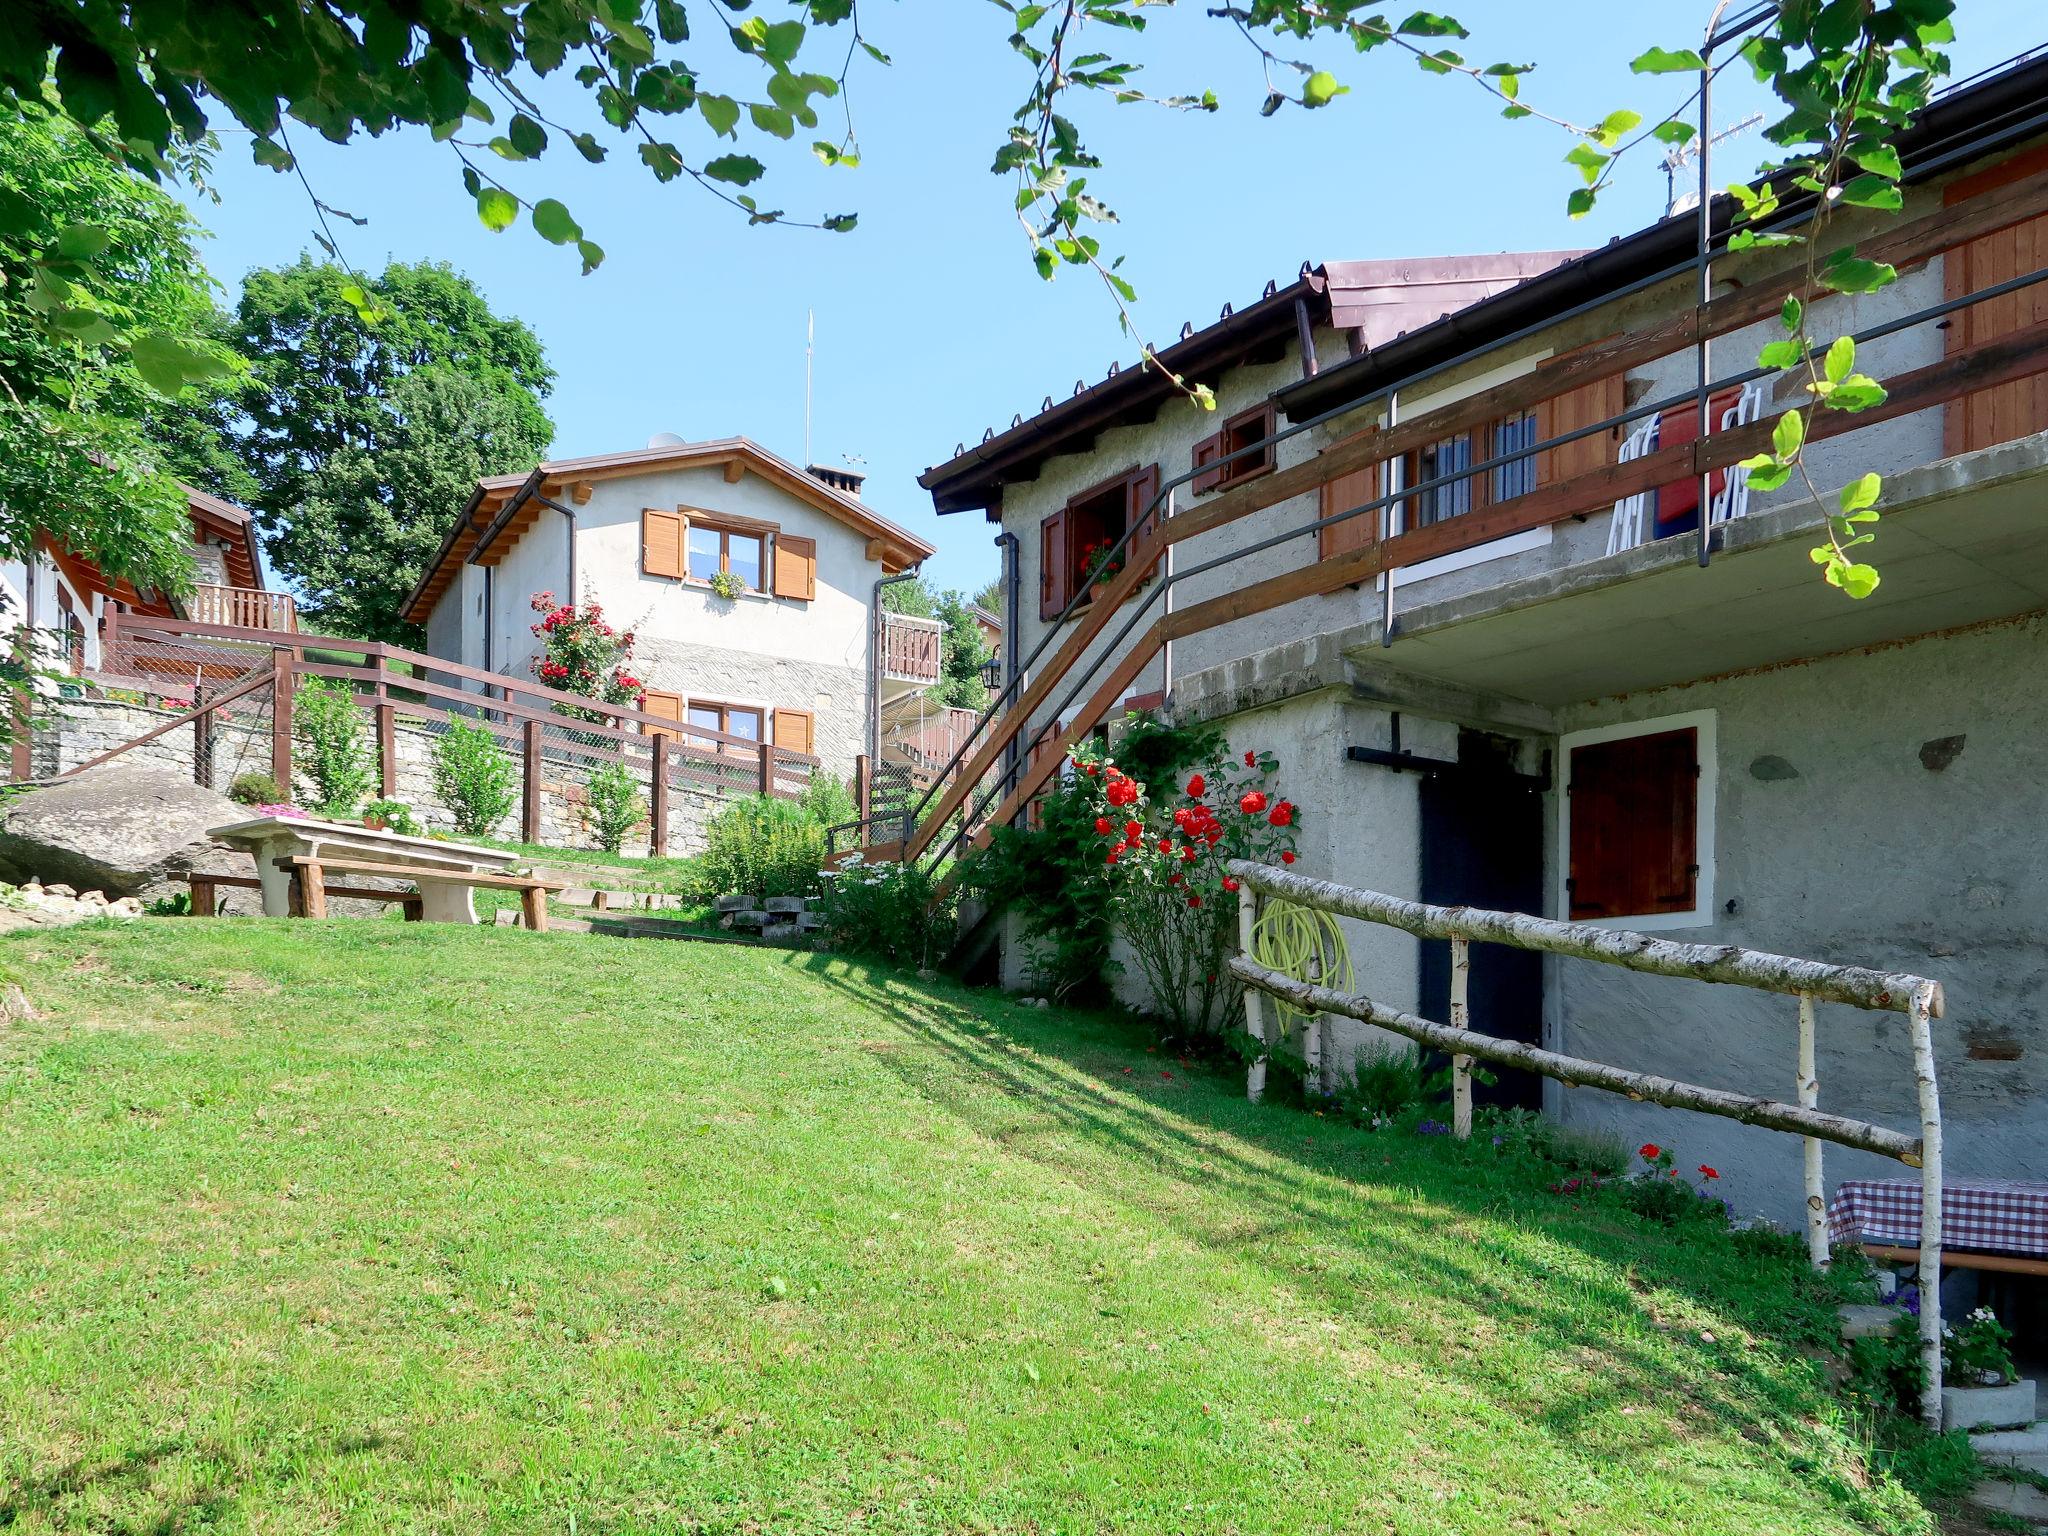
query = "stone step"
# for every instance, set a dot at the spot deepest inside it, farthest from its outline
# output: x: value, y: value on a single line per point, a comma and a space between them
x: 737, y: 904
x: 2021, y: 1501
x: 779, y: 933
x: 744, y: 920
x: 1869, y: 1321
x: 2025, y: 1448
x: 1989, y: 1408
x: 784, y: 904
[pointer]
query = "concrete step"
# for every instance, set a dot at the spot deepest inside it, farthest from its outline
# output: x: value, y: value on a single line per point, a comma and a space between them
x: 2024, y: 1448
x: 2020, y: 1501
x: 737, y: 904
x: 1869, y: 1321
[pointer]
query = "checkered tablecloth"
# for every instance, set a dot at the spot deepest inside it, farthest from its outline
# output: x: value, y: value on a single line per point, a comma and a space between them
x: 1977, y: 1215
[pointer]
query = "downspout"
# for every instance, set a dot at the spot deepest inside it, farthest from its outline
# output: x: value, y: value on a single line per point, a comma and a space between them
x: 1013, y: 581
x: 875, y: 649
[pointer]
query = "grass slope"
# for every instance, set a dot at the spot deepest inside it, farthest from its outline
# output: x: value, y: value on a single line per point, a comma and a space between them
x: 374, y: 1227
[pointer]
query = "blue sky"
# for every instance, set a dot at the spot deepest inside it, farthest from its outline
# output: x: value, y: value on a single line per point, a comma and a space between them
x: 931, y: 324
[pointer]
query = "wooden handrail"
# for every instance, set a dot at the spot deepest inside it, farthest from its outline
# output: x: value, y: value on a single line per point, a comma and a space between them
x: 1905, y: 245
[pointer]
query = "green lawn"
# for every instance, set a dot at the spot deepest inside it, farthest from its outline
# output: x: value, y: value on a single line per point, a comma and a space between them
x: 376, y: 1227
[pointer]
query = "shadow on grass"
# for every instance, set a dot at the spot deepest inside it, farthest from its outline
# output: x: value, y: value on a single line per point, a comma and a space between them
x: 1468, y: 1227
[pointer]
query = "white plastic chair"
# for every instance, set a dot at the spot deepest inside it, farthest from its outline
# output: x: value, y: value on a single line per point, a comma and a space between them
x: 1625, y: 529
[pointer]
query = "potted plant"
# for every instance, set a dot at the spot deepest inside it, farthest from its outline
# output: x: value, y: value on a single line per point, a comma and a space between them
x: 727, y: 585
x: 1099, y: 564
x: 1980, y: 1387
x: 391, y: 816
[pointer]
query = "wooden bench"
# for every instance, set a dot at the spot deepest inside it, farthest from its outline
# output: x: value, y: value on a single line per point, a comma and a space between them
x: 310, y: 891
x: 205, y: 902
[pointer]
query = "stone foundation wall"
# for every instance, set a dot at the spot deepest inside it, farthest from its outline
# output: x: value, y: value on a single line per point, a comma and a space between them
x: 85, y: 728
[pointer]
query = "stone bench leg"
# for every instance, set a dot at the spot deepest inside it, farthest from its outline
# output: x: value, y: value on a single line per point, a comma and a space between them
x: 445, y: 901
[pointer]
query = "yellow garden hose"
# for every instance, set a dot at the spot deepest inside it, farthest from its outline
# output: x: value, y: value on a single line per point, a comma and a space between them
x: 1303, y: 943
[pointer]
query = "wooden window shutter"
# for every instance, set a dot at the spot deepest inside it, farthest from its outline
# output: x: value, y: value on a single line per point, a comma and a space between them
x: 1138, y: 508
x: 1208, y: 451
x: 1634, y: 825
x: 1581, y: 407
x: 668, y: 706
x: 794, y: 730
x: 663, y: 537
x: 1341, y: 494
x: 1053, y: 573
x: 2018, y: 409
x: 796, y: 567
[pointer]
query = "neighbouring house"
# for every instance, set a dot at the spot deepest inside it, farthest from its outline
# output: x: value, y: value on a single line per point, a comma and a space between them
x: 1525, y: 684
x: 62, y: 592
x: 801, y: 656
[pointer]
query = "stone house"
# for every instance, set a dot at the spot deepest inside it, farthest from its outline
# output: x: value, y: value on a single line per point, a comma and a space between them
x: 801, y: 656
x: 1522, y: 677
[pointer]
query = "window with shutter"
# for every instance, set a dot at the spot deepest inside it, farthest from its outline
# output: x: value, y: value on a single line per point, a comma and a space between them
x: 796, y: 567
x: 1207, y: 452
x: 1581, y: 407
x: 1634, y: 807
x: 663, y: 536
x: 2018, y: 409
x: 1239, y: 434
x: 794, y: 730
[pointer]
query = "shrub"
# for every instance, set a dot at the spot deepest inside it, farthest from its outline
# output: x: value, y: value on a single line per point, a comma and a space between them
x: 1385, y: 1082
x: 765, y: 847
x: 614, y: 805
x: 337, y: 757
x: 257, y: 789
x: 1661, y: 1193
x: 474, y: 777
x: 888, y: 912
x: 827, y: 801
x: 395, y: 814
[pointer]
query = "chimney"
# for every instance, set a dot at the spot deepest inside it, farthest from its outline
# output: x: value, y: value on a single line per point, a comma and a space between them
x: 847, y: 481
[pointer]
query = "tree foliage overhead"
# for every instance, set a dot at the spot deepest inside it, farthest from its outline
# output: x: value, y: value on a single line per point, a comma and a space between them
x: 962, y: 650
x: 88, y: 450
x: 362, y: 440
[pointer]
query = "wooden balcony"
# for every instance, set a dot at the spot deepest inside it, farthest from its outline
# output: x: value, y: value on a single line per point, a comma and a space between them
x: 243, y: 608
x: 910, y: 648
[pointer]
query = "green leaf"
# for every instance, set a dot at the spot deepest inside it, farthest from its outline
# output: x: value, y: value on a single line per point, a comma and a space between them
x: 551, y: 221
x: 1431, y: 24
x: 1861, y: 492
x: 165, y: 363
x: 1580, y: 203
x: 592, y: 254
x: 527, y: 136
x: 1858, y: 392
x: 1674, y: 132
x: 1781, y: 355
x: 1766, y: 473
x: 1589, y: 161
x: 1882, y: 159
x: 266, y: 151
x: 1792, y: 313
x: 740, y: 170
x: 1871, y: 191
x: 1667, y: 61
x: 1856, y: 580
x: 1789, y: 436
x: 841, y: 223
x: 1841, y: 359
x: 496, y: 207
x: 1846, y: 272
x: 782, y: 39
x: 82, y: 242
x: 1615, y: 124
x: 1321, y: 88
x: 721, y: 114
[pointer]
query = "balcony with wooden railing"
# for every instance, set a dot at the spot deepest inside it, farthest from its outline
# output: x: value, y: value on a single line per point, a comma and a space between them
x: 243, y: 608
x: 1961, y: 540
x: 911, y: 648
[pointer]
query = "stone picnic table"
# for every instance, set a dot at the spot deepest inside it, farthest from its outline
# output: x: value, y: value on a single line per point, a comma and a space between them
x: 445, y: 873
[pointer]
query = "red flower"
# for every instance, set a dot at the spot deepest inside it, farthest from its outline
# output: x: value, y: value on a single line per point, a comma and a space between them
x: 1229, y: 883
x: 1187, y: 855
x: 1194, y: 901
x: 1253, y: 802
x: 1102, y: 826
x: 1283, y: 813
x: 1173, y: 879
x: 1251, y: 759
x: 1122, y: 792
x: 1180, y: 817
x: 1196, y: 786
x: 1166, y: 845
x: 1709, y: 1173
x: 1649, y: 1149
x: 1286, y: 855
x: 1133, y: 832
x: 1110, y: 858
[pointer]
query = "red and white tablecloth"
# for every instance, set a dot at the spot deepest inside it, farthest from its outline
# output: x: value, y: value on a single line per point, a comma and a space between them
x: 1987, y: 1215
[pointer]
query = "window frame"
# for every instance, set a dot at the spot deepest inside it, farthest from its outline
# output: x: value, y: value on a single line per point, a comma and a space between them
x: 1481, y: 489
x: 1062, y: 529
x: 727, y: 528
x: 1702, y: 913
x: 725, y: 708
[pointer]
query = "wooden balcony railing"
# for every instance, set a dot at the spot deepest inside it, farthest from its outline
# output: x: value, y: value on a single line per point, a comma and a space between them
x: 2016, y: 354
x: 243, y: 608
x: 910, y: 648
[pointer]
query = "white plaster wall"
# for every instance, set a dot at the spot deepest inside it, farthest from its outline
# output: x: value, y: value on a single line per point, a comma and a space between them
x: 1868, y: 857
x: 539, y: 562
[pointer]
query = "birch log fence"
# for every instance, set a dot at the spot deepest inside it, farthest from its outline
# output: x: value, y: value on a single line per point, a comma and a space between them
x: 1919, y: 998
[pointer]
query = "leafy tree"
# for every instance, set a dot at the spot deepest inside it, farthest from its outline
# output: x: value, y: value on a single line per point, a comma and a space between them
x: 1851, y: 74
x: 85, y: 451
x: 361, y: 440
x: 961, y: 648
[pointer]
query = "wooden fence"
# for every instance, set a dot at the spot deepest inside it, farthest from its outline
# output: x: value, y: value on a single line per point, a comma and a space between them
x: 550, y: 732
x: 1917, y: 997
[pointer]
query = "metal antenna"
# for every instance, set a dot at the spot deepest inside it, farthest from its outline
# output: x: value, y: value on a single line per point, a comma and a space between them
x: 1681, y: 155
x: 810, y: 338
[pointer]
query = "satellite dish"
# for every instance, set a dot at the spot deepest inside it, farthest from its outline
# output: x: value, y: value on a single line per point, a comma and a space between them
x: 666, y: 440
